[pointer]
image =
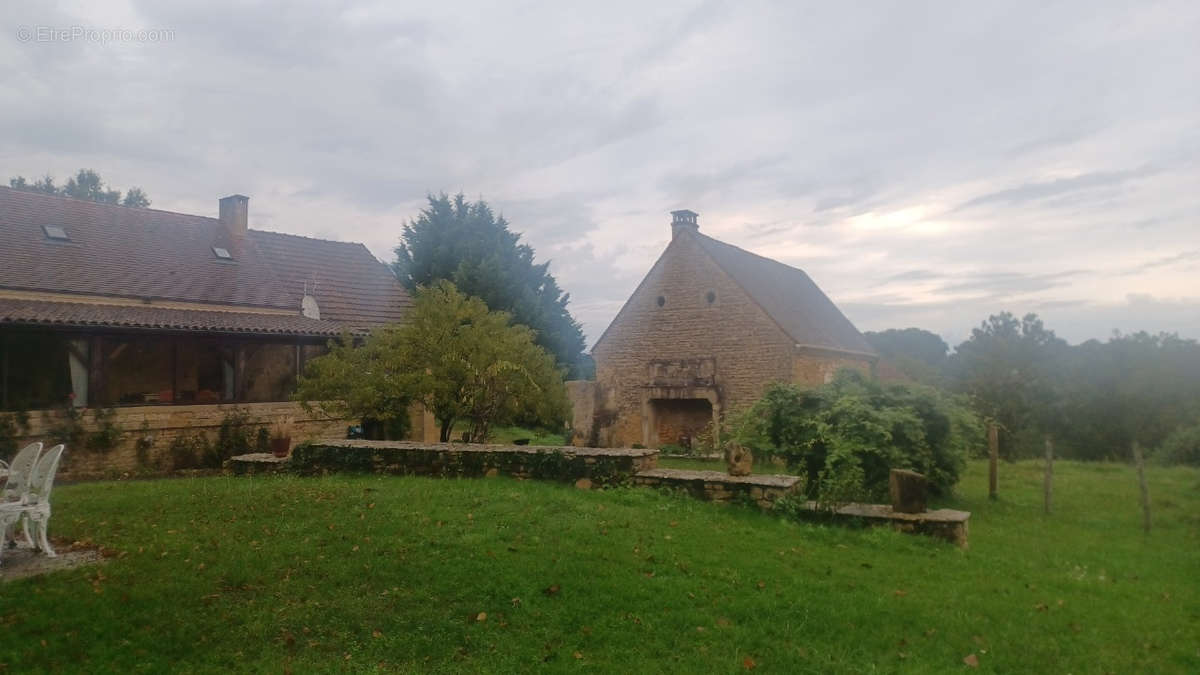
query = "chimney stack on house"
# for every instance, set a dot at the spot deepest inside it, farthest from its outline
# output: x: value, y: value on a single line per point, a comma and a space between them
x: 683, y: 219
x: 233, y: 214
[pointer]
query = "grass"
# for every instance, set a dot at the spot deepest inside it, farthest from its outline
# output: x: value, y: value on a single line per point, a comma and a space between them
x: 506, y: 435
x: 498, y: 575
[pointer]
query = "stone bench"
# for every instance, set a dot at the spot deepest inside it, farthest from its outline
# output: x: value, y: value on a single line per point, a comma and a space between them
x: 598, y: 466
x: 945, y: 524
x: 716, y: 486
x: 256, y: 463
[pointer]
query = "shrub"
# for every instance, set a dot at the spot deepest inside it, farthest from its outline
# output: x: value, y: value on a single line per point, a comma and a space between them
x: 106, y: 432
x: 845, y: 437
x: 12, y: 426
x: 188, y: 450
x: 1182, y: 446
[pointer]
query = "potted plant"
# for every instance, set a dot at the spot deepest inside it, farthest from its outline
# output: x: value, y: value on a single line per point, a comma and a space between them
x: 281, y: 436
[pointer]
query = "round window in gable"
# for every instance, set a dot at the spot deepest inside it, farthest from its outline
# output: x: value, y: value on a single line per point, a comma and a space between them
x: 661, y: 301
x: 711, y: 297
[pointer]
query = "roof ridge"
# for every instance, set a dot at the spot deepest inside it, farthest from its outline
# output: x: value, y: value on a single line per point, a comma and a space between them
x: 305, y: 236
x: 102, y: 204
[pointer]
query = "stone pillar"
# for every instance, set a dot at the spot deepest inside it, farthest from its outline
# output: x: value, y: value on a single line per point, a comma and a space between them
x: 907, y: 490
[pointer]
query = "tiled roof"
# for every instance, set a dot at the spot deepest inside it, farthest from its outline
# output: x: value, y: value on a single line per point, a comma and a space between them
x: 349, y: 284
x: 79, y: 314
x: 789, y: 296
x: 126, y: 252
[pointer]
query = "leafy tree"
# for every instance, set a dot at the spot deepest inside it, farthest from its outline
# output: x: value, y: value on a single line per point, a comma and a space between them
x: 1138, y: 387
x: 465, y: 243
x: 85, y: 184
x: 453, y: 355
x: 1007, y: 368
x: 1181, y: 447
x: 136, y: 198
x: 919, y: 354
x: 846, y: 436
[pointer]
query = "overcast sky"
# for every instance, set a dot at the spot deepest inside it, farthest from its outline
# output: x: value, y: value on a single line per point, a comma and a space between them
x: 926, y: 164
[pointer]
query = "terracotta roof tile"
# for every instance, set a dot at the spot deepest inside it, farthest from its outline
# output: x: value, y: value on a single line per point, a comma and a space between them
x: 78, y: 314
x: 126, y: 252
x: 789, y: 296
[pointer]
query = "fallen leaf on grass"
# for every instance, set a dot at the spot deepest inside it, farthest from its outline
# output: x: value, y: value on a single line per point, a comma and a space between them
x: 749, y: 664
x: 971, y: 660
x: 552, y: 590
x: 899, y: 593
x: 376, y: 633
x: 481, y: 617
x: 578, y: 655
x: 723, y: 622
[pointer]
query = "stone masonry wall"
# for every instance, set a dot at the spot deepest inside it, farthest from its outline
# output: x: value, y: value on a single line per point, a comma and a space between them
x: 749, y: 349
x: 582, y: 395
x: 815, y: 367
x: 166, y: 422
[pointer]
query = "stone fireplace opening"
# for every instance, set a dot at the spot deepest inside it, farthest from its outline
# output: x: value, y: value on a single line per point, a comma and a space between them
x: 679, y: 421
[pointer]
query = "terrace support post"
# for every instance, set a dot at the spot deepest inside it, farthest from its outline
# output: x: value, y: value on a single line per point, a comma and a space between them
x: 1048, y: 480
x: 993, y: 457
x: 1140, y: 461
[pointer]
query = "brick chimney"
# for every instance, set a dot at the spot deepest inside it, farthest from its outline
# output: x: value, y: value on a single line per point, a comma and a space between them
x: 683, y: 220
x: 233, y: 214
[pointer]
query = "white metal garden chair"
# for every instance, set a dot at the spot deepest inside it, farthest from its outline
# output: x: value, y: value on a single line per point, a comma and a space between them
x: 18, y: 472
x: 33, y: 511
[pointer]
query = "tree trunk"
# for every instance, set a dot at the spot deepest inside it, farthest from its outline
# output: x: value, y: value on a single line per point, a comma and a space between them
x: 993, y: 456
x: 1140, y: 461
x: 447, y: 427
x: 1048, y: 481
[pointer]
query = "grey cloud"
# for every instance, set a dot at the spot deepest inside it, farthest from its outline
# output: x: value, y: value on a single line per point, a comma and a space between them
x: 1008, y: 283
x: 1043, y: 190
x: 584, y: 124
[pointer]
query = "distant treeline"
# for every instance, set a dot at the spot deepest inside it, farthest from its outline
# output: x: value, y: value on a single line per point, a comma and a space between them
x: 1093, y: 400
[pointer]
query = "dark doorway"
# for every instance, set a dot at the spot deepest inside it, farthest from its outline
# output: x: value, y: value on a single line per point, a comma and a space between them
x: 678, y: 421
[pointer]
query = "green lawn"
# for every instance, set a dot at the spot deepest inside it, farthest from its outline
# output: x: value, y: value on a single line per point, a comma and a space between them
x: 414, y: 574
x: 506, y: 435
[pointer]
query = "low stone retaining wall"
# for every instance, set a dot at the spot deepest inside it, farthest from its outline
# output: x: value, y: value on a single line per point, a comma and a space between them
x: 600, y: 466
x: 721, y: 487
x: 945, y: 524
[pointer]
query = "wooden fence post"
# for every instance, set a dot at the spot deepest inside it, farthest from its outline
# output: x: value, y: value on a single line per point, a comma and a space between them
x: 1048, y: 481
x: 993, y: 456
x: 1140, y: 461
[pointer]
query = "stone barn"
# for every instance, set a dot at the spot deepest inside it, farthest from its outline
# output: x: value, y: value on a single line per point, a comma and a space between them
x: 706, y: 332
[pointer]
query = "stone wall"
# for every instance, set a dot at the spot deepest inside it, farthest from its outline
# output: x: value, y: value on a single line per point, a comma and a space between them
x: 582, y: 395
x: 159, y: 425
x: 813, y: 367
x: 583, y: 466
x: 746, y: 348
x: 714, y: 486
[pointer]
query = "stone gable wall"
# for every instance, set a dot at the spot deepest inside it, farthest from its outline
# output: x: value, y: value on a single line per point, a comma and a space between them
x: 749, y: 349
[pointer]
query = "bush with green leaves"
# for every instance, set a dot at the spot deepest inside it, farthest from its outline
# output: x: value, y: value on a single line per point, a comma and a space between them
x: 846, y: 436
x: 452, y: 355
x: 1182, y: 446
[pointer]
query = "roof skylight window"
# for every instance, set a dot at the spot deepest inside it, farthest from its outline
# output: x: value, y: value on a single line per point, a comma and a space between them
x: 222, y: 253
x: 55, y: 232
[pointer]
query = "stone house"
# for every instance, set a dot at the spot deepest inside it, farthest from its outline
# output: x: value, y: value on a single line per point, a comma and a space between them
x: 706, y: 331
x: 169, y: 319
